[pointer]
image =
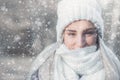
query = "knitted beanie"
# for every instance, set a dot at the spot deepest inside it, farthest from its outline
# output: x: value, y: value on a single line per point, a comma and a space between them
x: 69, y: 11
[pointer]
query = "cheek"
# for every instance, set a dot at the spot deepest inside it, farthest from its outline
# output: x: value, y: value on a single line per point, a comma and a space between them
x: 91, y: 41
x: 68, y: 42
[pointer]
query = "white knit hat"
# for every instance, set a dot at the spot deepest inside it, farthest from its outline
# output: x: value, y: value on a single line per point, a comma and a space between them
x: 71, y: 10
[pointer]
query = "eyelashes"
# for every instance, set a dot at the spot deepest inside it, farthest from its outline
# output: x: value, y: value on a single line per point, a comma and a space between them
x: 71, y: 34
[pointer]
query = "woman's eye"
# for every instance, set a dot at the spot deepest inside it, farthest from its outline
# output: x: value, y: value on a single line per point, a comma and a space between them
x: 71, y: 34
x: 90, y: 33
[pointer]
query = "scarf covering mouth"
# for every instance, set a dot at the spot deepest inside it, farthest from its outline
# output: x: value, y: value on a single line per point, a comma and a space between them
x: 71, y: 64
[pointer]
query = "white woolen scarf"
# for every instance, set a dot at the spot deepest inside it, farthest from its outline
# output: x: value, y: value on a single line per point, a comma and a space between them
x: 85, y: 62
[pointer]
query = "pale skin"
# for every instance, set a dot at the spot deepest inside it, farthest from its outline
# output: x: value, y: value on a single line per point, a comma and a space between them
x: 80, y: 34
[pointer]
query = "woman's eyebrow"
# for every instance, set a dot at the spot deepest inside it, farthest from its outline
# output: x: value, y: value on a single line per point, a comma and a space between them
x: 70, y: 30
x: 91, y: 29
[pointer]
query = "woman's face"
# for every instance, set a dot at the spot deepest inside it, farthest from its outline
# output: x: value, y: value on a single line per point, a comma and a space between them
x: 80, y: 34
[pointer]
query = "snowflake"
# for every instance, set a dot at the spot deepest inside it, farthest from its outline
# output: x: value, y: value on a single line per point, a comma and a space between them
x: 17, y: 38
x: 8, y: 47
x: 3, y: 8
x: 46, y: 29
x: 20, y: 1
x: 113, y: 36
x: 38, y: 23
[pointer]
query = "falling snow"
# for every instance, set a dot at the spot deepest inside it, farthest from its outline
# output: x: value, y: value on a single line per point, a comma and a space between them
x: 27, y: 26
x: 3, y: 8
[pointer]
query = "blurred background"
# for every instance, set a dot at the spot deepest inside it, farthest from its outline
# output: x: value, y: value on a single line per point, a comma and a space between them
x: 28, y: 26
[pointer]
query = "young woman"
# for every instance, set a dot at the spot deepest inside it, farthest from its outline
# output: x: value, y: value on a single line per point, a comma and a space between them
x: 79, y: 53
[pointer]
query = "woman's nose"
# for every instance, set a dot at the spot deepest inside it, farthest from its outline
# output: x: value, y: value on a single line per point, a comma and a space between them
x: 80, y: 42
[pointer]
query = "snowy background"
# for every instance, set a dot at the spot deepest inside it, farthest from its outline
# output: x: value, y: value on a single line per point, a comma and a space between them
x: 28, y: 26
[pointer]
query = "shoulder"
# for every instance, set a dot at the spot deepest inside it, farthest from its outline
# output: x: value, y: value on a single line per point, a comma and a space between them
x: 46, y: 53
x: 44, y: 71
x: 43, y: 59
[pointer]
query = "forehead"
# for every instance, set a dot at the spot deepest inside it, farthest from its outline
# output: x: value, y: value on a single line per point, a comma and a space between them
x: 80, y: 25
